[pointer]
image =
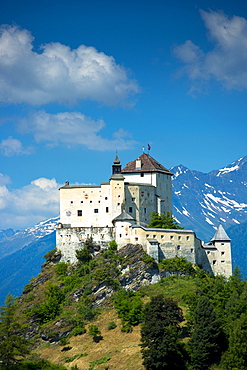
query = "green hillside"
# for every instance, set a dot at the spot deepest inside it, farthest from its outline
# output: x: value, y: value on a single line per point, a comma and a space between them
x: 80, y: 317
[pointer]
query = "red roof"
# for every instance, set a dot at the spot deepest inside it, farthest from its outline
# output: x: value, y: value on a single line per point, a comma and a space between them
x: 148, y: 164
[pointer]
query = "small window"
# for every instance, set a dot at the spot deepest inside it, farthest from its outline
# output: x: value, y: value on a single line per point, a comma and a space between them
x: 187, y: 237
x: 222, y: 243
x: 214, y: 262
x: 120, y: 235
x: 136, y: 239
x: 222, y: 253
x: 162, y: 236
x: 192, y: 250
x: 145, y: 210
x: 171, y: 237
x: 81, y: 201
x: 133, y: 199
x: 98, y: 201
x: 106, y: 198
x: 222, y: 261
x: 118, y: 204
x: 130, y: 209
x: 178, y: 247
x: 147, y: 235
x: 79, y: 213
x: 107, y: 209
x: 90, y: 201
x: 208, y: 252
x: 118, y: 196
x: 154, y: 236
x: 96, y: 210
x: 179, y: 237
x: 71, y: 202
x: 142, y: 174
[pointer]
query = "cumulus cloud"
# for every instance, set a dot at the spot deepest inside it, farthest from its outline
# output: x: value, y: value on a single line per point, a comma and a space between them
x: 73, y: 128
x: 28, y: 205
x: 10, y: 147
x: 226, y: 62
x: 58, y: 73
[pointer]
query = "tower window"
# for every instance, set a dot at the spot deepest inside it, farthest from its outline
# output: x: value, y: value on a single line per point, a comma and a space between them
x: 79, y: 213
x: 142, y: 174
x: 106, y: 198
x: 130, y: 209
x: 222, y: 253
x: 145, y: 210
x: 96, y: 210
x: 107, y: 209
x: 71, y: 202
x: 178, y: 247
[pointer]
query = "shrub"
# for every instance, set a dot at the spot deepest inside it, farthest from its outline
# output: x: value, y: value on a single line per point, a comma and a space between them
x: 78, y: 330
x: 50, y: 254
x: 129, y: 307
x: 149, y: 261
x: 111, y: 325
x: 112, y: 245
x: 177, y: 264
x: 102, y: 360
x: 61, y: 268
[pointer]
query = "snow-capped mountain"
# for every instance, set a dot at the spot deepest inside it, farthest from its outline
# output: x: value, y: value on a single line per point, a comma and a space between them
x: 203, y: 200
x: 14, y: 242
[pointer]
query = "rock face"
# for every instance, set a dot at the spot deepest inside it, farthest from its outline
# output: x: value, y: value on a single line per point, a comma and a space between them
x: 135, y: 273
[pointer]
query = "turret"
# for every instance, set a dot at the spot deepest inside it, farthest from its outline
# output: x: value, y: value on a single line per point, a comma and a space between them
x: 116, y: 167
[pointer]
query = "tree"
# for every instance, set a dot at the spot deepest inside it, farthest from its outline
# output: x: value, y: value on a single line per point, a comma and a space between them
x: 163, y: 221
x: 235, y: 357
x: 207, y: 341
x: 160, y: 331
x: 13, y: 346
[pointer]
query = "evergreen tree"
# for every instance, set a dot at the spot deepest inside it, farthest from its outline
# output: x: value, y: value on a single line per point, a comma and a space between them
x: 160, y: 335
x: 207, y: 340
x: 13, y: 346
x: 235, y: 358
x: 163, y: 221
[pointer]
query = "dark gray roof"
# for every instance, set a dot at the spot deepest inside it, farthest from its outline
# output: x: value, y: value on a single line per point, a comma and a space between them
x: 220, y: 235
x: 124, y: 216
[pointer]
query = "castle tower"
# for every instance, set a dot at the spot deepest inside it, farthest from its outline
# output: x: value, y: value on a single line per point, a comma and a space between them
x: 146, y: 171
x: 222, y: 243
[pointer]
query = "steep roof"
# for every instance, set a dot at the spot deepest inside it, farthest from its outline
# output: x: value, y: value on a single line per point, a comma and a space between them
x: 148, y: 164
x: 124, y: 216
x: 220, y: 235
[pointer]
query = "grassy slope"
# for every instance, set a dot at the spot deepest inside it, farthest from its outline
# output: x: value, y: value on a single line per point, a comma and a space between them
x: 123, y: 348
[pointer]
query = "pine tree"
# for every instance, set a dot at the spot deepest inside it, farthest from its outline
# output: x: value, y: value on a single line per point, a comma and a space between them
x: 207, y: 340
x: 13, y: 346
x: 160, y: 335
x: 164, y: 221
x: 235, y: 357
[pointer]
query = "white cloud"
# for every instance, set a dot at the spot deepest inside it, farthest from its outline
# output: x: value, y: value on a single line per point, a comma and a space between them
x: 226, y: 62
x: 73, y: 128
x: 10, y: 147
x: 58, y: 73
x: 28, y: 205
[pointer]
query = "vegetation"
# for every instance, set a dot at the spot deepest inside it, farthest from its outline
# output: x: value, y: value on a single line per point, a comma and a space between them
x: 163, y: 221
x: 160, y: 344
x: 13, y: 346
x: 187, y: 321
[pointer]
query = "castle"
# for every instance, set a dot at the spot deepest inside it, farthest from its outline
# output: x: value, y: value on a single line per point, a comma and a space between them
x: 120, y: 210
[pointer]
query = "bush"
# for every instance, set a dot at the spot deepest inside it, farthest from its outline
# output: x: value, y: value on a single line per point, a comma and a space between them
x: 111, y: 325
x: 61, y: 268
x: 149, y: 261
x: 78, y: 330
x: 129, y: 307
x: 112, y: 245
x: 177, y: 264
x: 50, y: 254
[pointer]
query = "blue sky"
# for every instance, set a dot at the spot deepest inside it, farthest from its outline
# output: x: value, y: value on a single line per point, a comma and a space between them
x: 80, y: 79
